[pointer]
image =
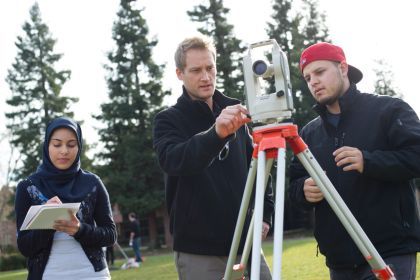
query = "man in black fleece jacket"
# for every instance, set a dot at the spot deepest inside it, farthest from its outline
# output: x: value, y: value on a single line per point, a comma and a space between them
x: 369, y: 146
x: 204, y: 148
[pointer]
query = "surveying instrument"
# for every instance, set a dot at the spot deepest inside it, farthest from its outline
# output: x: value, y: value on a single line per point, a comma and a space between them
x: 271, y: 114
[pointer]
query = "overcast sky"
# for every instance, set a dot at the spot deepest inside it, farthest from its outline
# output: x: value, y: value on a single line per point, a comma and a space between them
x: 366, y: 30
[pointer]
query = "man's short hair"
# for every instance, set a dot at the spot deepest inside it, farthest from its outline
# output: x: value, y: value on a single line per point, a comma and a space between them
x: 200, y: 42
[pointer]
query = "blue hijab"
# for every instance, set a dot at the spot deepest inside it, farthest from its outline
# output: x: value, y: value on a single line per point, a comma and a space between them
x: 70, y: 185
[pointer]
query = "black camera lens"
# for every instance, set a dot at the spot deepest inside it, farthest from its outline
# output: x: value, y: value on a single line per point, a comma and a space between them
x: 259, y: 67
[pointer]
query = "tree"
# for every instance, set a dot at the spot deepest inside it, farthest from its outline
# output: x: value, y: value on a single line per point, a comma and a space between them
x: 13, y: 158
x: 314, y: 30
x: 5, y: 207
x: 282, y: 26
x: 129, y: 168
x: 36, y: 87
x: 295, y: 28
x: 384, y: 84
x: 229, y: 51
x: 8, y: 191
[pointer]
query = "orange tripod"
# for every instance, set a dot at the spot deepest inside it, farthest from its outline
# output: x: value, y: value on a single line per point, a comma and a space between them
x: 270, y: 143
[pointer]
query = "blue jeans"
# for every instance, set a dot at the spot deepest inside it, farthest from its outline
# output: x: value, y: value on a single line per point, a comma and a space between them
x: 136, y: 248
x: 403, y: 266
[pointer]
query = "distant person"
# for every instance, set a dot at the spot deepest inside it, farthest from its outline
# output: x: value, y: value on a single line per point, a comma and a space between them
x: 204, y: 148
x: 134, y: 229
x: 73, y: 250
x: 369, y: 147
x: 110, y: 255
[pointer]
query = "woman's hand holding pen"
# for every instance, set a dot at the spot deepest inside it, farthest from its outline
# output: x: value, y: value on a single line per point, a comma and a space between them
x: 70, y: 227
x: 54, y: 200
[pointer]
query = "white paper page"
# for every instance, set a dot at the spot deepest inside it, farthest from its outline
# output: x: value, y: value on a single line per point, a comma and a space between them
x: 43, y: 216
x: 31, y: 213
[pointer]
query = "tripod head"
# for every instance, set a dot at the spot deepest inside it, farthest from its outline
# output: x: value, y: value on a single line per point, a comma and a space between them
x: 267, y: 108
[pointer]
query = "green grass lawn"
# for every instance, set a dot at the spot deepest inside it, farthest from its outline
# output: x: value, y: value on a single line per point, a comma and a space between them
x: 299, y: 262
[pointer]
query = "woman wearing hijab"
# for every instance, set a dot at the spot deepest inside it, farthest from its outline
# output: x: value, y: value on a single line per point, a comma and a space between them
x: 73, y: 249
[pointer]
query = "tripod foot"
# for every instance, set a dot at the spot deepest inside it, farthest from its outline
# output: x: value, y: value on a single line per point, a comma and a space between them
x: 238, y: 272
x: 384, y: 274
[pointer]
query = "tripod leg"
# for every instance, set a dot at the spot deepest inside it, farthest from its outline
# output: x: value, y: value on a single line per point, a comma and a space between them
x: 240, y: 223
x: 258, y: 214
x: 249, y: 237
x: 241, y: 218
x: 381, y: 270
x: 279, y: 213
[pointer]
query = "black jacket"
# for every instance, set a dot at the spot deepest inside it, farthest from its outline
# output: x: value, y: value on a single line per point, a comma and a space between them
x: 203, y: 192
x: 97, y: 228
x: 382, y: 199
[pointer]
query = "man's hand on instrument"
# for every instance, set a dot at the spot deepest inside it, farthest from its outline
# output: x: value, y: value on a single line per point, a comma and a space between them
x: 231, y: 119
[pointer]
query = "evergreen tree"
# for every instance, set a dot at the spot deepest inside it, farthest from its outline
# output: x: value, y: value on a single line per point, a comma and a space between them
x: 36, y: 87
x: 295, y: 28
x: 282, y: 26
x: 384, y: 84
x: 314, y: 30
x: 130, y: 170
x: 315, y: 27
x: 229, y: 51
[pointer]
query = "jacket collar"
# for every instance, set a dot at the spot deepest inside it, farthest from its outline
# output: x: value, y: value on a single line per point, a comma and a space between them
x: 345, y: 101
x: 186, y: 104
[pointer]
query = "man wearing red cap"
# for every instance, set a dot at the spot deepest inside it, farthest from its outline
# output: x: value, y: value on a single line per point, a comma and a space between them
x: 369, y: 146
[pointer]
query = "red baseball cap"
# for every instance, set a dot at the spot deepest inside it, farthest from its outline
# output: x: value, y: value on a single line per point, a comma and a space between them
x: 327, y: 51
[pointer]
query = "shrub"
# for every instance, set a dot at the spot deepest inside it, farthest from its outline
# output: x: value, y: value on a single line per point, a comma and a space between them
x: 8, y: 249
x: 12, y: 262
